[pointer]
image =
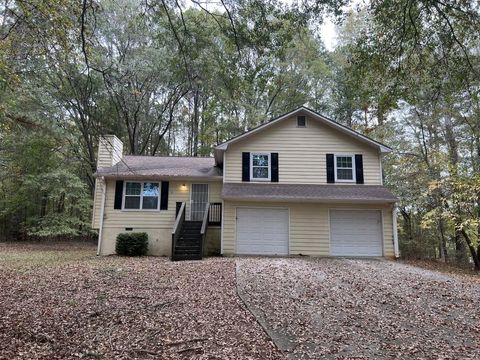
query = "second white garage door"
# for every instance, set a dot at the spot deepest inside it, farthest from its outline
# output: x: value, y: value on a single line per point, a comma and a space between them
x: 356, y: 233
x: 262, y: 231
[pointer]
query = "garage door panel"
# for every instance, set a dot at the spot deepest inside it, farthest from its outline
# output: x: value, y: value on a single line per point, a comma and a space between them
x: 356, y: 233
x: 262, y: 231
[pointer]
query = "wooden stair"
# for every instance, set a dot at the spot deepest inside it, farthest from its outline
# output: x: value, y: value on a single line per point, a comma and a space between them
x: 189, y: 243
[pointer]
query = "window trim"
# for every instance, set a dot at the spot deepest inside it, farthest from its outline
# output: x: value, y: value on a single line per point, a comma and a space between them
x: 354, y: 175
x: 141, y: 195
x: 253, y: 179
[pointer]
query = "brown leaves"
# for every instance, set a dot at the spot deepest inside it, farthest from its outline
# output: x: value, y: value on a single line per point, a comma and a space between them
x: 124, y: 308
x: 359, y: 309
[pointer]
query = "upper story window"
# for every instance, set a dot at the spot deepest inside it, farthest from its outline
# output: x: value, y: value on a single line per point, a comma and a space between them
x: 301, y: 121
x: 141, y: 196
x: 344, y: 168
x: 260, y: 167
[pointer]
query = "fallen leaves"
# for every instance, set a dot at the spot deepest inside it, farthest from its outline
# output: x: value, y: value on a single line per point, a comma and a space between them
x: 125, y: 308
x: 360, y: 309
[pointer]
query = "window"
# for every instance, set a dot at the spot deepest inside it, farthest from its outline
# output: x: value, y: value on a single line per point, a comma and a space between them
x: 141, y: 196
x: 301, y: 121
x: 344, y: 168
x: 260, y: 168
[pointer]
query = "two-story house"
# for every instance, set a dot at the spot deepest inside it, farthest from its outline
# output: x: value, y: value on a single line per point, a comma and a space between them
x: 300, y: 184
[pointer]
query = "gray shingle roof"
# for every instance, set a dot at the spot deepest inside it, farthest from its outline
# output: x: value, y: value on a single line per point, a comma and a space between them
x: 307, y: 193
x: 156, y: 166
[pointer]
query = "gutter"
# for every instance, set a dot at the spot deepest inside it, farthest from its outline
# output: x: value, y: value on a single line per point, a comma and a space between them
x: 306, y: 200
x: 102, y: 211
x: 395, y: 232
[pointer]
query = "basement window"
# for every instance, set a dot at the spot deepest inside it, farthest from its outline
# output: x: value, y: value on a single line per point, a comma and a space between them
x: 141, y: 196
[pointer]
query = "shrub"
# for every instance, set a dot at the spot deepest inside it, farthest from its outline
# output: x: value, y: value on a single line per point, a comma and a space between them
x: 132, y: 244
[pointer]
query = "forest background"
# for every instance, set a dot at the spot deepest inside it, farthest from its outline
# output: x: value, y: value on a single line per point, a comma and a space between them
x: 173, y: 77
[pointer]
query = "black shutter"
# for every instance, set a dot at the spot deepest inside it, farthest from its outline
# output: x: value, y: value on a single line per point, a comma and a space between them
x: 274, y: 159
x: 118, y: 194
x: 359, y: 168
x: 164, y: 196
x: 177, y: 208
x: 245, y: 166
x: 330, y: 168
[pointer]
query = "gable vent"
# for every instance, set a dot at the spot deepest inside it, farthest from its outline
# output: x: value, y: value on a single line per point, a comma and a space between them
x: 301, y: 121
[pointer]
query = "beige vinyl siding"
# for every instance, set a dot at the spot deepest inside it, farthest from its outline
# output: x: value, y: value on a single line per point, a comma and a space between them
x: 110, y: 152
x: 309, y: 226
x: 157, y: 223
x: 301, y: 152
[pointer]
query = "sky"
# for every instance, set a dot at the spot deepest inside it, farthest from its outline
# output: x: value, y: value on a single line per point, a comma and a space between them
x: 328, y: 34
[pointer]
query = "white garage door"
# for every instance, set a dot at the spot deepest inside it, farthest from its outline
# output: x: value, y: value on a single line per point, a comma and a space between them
x: 262, y: 231
x: 356, y: 233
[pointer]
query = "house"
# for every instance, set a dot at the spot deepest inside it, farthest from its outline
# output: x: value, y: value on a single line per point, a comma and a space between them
x: 300, y: 184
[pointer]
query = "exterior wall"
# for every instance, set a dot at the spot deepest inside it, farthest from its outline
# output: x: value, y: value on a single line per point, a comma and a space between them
x: 110, y: 152
x: 158, y: 224
x: 309, y: 226
x: 301, y: 152
x: 212, y: 243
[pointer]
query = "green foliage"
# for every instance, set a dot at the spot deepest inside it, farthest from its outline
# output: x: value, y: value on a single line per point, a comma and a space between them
x: 132, y: 244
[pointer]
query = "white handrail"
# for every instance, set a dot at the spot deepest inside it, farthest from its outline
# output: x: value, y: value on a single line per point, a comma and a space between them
x: 205, y: 219
x: 177, y: 220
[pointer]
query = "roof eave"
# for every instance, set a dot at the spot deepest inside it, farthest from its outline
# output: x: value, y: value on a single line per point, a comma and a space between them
x: 329, y: 122
x: 159, y: 177
x: 309, y: 200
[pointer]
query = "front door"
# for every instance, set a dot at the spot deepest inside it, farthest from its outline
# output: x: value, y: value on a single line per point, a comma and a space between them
x: 198, y: 201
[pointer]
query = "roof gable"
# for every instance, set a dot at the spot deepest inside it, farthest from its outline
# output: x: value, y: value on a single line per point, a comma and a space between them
x: 219, y: 149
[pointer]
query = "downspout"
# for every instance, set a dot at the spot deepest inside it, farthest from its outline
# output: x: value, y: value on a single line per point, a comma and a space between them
x: 395, y: 232
x: 102, y: 210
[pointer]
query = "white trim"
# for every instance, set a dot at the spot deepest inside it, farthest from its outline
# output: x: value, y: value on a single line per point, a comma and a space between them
x: 381, y: 167
x: 224, y: 164
x: 354, y: 175
x: 261, y: 207
x: 252, y: 179
x: 395, y: 233
x: 354, y: 209
x: 102, y: 211
x: 344, y: 129
x: 141, y: 195
x: 222, y: 228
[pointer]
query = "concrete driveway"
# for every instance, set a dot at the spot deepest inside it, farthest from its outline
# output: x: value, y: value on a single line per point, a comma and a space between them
x: 361, y: 309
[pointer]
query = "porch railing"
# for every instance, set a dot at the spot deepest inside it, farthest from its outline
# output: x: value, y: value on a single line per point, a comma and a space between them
x: 203, y: 231
x: 177, y: 227
x: 215, y: 216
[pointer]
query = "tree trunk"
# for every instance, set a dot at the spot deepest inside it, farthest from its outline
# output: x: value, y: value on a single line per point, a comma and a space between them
x: 443, y: 241
x: 474, y: 252
x: 195, y: 123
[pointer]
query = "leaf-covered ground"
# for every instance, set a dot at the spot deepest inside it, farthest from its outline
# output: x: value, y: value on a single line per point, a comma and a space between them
x: 59, y: 302
x: 362, y: 309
